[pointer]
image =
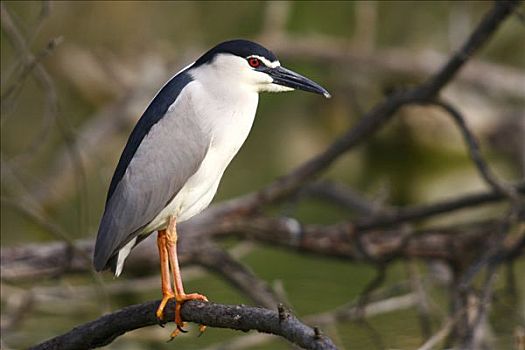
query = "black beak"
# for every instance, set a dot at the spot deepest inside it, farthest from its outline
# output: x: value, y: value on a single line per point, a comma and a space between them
x: 288, y: 78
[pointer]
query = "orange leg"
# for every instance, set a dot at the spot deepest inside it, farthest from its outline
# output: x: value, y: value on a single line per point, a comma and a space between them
x: 180, y: 295
x: 167, y: 244
x: 167, y: 291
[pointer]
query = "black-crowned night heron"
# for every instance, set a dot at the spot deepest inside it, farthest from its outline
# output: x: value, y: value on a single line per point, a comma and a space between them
x: 174, y: 159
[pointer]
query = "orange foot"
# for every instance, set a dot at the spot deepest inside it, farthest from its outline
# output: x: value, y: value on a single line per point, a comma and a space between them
x: 178, y: 319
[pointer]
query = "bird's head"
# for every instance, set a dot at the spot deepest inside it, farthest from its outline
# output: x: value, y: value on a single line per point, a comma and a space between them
x: 251, y: 66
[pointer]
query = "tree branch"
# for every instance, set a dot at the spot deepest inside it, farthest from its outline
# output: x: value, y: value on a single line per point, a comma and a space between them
x: 459, y: 242
x: 39, y: 260
x: 104, y: 330
x: 420, y: 212
x: 475, y: 153
x: 344, y: 313
x: 488, y: 26
x: 381, y: 113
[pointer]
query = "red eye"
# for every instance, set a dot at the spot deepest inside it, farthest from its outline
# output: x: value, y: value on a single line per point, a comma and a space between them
x: 254, y: 62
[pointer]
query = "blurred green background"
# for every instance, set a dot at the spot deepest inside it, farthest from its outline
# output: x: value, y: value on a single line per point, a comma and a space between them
x: 113, y: 56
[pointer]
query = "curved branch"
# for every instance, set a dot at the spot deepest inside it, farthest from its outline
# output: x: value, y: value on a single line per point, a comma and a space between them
x: 475, y: 153
x: 105, y: 329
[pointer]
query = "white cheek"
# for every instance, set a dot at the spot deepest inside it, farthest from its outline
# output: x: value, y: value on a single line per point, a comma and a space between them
x: 263, y: 78
x: 264, y: 83
x: 275, y: 88
x: 259, y: 81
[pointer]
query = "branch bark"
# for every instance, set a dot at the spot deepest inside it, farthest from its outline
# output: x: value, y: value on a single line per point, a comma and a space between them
x: 107, y: 328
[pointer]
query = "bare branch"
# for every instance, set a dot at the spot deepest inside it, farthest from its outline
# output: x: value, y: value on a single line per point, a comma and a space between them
x: 38, y: 260
x: 475, y: 152
x: 350, y: 312
x: 105, y: 329
x: 341, y: 240
x: 490, y: 22
x: 399, y: 215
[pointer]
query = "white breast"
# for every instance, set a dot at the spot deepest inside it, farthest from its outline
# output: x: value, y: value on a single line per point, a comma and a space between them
x: 228, y: 115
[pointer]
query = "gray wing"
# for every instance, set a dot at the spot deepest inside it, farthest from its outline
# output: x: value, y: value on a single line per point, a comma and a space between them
x: 168, y: 155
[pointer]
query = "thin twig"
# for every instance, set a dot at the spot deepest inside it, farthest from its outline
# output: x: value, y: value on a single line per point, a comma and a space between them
x: 475, y: 152
x: 441, y: 334
x: 400, y: 215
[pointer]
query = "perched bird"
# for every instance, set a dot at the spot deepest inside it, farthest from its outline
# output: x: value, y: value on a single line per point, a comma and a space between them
x: 175, y: 156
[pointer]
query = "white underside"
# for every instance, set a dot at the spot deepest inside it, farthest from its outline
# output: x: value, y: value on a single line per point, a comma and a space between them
x: 196, y: 194
x: 228, y: 130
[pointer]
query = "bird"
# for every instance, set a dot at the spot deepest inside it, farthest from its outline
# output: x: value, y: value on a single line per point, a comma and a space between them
x: 174, y: 159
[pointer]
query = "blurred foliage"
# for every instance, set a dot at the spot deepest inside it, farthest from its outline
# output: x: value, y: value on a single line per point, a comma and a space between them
x: 112, y: 46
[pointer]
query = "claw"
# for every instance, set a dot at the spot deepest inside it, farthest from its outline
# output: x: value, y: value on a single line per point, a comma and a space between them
x: 176, y: 332
x: 202, y: 328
